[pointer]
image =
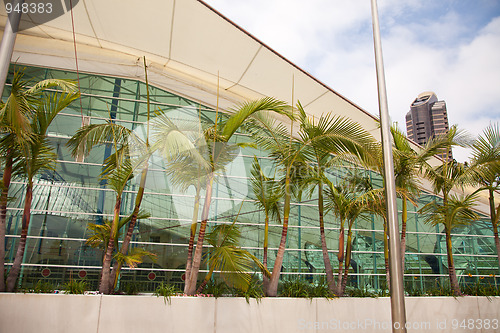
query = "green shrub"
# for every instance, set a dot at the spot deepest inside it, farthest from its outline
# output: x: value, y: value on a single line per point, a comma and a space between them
x: 320, y: 290
x: 357, y: 292
x: 217, y: 289
x: 296, y: 288
x: 75, y: 287
x: 167, y: 291
x: 41, y: 287
x: 254, y: 290
x: 131, y: 288
x: 479, y: 289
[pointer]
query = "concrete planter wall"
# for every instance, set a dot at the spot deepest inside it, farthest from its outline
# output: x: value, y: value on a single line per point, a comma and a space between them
x: 108, y: 314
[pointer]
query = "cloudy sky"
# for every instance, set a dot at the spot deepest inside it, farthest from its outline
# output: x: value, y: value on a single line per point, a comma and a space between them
x: 451, y: 47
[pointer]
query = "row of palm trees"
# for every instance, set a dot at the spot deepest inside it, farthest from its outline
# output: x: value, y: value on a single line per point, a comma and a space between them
x: 25, y: 149
x: 196, y: 155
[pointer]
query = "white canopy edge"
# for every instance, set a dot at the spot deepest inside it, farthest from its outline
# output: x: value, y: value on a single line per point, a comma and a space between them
x: 190, y: 48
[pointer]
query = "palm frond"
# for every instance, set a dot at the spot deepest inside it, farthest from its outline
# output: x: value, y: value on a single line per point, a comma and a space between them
x: 456, y: 213
x: 98, y: 235
x: 94, y: 134
x: 134, y: 257
x: 267, y: 190
x: 66, y: 86
x: 243, y: 113
x: 140, y: 216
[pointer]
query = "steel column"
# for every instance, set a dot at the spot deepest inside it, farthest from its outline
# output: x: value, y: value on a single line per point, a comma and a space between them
x: 396, y: 272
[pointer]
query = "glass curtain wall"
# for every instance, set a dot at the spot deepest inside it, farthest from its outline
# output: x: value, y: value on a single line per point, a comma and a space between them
x: 67, y: 199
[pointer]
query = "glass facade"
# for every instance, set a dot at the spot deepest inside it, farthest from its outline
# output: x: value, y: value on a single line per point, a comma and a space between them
x: 70, y: 197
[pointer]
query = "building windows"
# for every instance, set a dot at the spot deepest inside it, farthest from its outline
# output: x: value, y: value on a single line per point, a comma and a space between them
x: 71, y: 197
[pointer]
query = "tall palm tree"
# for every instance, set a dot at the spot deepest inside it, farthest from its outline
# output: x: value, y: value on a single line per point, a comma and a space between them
x: 316, y: 133
x: 145, y: 152
x: 37, y: 155
x: 16, y: 115
x: 457, y: 212
x: 287, y: 154
x: 486, y: 162
x: 347, y: 201
x: 131, y: 154
x: 408, y: 163
x: 334, y: 135
x: 377, y: 205
x: 182, y: 145
x: 218, y: 151
x: 118, y: 169
x: 268, y: 193
x: 444, y: 178
x: 99, y: 235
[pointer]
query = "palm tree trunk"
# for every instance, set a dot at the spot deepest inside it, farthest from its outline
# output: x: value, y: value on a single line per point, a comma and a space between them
x: 133, y: 220
x: 192, y: 235
x: 451, y: 267
x: 497, y: 241
x: 386, y: 257
x: 205, y: 281
x: 265, y: 279
x: 105, y: 286
x: 347, y: 259
x: 340, y: 257
x: 326, y: 258
x: 21, y: 247
x: 272, y: 290
x: 494, y: 216
x: 404, y: 219
x: 7, y: 173
x: 190, y: 286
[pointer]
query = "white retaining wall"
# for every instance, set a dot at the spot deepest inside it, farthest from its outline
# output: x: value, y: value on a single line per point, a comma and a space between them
x: 52, y: 313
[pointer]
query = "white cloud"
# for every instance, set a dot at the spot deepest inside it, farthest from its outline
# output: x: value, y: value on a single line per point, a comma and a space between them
x: 426, y: 44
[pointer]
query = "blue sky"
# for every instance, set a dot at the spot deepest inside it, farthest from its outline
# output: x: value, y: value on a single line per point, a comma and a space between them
x: 451, y: 47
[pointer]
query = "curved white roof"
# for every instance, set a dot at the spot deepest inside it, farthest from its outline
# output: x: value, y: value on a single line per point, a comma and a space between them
x: 187, y: 45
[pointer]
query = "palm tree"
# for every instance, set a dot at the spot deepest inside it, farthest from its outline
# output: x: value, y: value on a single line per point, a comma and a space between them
x: 118, y: 169
x: 457, y: 212
x: 377, y: 205
x: 486, y: 162
x: 287, y: 154
x: 37, y: 155
x: 334, y: 135
x: 182, y: 144
x: 268, y: 194
x: 226, y: 256
x: 131, y: 153
x: 217, y: 152
x: 408, y: 164
x: 145, y: 152
x: 320, y: 157
x: 347, y: 201
x: 450, y: 174
x: 15, y: 126
x: 99, y: 239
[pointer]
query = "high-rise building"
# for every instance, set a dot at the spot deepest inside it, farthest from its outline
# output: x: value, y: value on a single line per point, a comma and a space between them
x: 426, y: 119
